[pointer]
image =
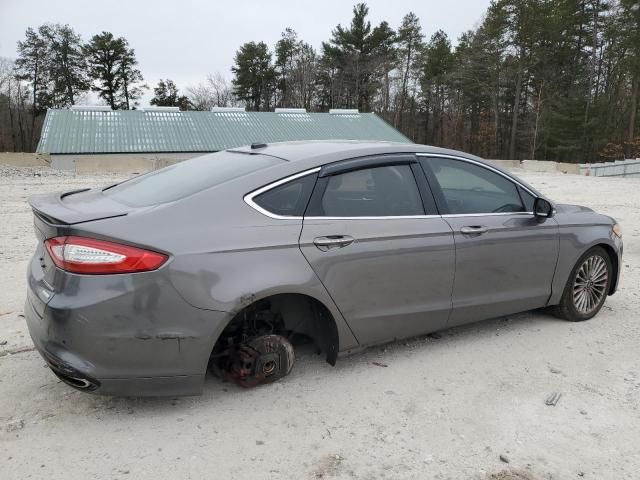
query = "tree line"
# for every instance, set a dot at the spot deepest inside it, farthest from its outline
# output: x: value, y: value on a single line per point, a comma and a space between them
x: 537, y: 79
x: 55, y: 69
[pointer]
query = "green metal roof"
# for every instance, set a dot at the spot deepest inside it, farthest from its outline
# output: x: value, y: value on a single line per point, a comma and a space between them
x: 135, y: 131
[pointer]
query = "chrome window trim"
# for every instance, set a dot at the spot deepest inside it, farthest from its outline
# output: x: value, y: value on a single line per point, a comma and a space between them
x: 495, y: 214
x: 399, y: 217
x: 248, y: 198
x: 480, y: 164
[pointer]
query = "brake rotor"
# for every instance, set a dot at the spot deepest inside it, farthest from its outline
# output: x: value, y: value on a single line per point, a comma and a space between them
x: 261, y: 360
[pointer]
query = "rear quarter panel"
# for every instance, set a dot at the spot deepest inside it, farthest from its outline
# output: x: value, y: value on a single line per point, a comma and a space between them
x: 224, y: 254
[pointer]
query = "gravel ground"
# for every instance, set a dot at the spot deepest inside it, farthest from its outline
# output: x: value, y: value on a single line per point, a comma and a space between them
x: 469, y: 404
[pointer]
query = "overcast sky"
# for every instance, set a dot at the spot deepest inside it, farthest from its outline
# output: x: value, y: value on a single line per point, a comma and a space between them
x: 185, y: 39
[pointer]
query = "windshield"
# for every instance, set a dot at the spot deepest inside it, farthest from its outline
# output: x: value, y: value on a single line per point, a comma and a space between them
x: 186, y: 178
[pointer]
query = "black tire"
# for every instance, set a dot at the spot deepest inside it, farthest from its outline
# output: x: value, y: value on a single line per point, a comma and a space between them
x: 580, y: 310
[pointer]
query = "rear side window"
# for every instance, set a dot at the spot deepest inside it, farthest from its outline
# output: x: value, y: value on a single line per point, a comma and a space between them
x: 188, y: 177
x: 469, y: 188
x: 289, y: 199
x: 386, y: 191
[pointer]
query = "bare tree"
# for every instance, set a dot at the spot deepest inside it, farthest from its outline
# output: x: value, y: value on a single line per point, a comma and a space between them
x: 6, y: 71
x: 216, y: 91
x: 409, y: 41
x: 14, y: 109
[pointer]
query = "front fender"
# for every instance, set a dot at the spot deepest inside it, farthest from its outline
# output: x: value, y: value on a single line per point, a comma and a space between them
x: 574, y: 241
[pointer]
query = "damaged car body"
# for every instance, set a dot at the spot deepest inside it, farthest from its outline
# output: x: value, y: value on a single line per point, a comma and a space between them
x: 224, y: 262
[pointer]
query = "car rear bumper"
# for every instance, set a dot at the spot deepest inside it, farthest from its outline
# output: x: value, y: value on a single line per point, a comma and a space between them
x: 124, y: 335
x: 71, y: 369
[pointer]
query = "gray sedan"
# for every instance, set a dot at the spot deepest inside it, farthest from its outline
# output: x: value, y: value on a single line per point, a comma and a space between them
x: 227, y: 261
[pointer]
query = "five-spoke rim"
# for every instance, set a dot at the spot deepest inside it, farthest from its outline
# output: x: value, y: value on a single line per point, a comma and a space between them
x: 590, y: 284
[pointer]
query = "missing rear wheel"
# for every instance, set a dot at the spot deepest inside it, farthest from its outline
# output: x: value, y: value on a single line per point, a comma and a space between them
x: 264, y: 359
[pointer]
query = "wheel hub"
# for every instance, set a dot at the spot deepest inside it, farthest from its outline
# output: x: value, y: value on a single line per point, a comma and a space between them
x: 264, y: 359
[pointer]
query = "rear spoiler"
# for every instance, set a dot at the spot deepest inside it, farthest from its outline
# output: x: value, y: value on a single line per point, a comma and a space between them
x: 76, y: 206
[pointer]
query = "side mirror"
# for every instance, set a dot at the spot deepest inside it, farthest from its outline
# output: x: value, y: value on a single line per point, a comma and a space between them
x: 542, y: 208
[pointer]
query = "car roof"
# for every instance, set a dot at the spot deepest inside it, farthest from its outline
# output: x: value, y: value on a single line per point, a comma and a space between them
x: 304, y: 150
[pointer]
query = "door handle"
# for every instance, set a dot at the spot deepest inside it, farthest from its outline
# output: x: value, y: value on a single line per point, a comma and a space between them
x: 332, y: 241
x: 474, y: 230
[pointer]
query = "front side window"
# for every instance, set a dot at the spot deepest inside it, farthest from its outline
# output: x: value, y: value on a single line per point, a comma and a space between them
x: 289, y: 199
x: 385, y: 191
x: 469, y: 188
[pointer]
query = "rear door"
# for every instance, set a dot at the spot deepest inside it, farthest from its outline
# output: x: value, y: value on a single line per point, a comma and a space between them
x: 505, y: 256
x: 373, y: 236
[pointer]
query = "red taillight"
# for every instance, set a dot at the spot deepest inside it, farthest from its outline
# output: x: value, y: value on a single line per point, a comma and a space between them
x: 88, y: 255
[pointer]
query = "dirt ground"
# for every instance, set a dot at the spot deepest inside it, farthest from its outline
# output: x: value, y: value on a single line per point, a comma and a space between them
x: 467, y: 405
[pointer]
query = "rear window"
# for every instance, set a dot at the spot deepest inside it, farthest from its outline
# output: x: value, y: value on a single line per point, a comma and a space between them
x: 188, y: 177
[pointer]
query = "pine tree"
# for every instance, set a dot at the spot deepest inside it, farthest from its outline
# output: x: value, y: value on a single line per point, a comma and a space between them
x: 286, y: 50
x: 630, y: 23
x: 66, y: 64
x: 358, y: 56
x: 131, y: 79
x: 31, y: 65
x: 166, y: 94
x: 112, y: 68
x: 254, y: 79
x: 295, y: 68
x: 409, y: 41
x: 437, y: 65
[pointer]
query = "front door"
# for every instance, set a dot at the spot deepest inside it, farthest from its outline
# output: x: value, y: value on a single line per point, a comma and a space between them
x: 374, y: 239
x: 505, y: 256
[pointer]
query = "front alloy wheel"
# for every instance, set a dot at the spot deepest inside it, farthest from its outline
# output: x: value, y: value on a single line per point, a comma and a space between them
x: 587, y: 287
x: 590, y: 284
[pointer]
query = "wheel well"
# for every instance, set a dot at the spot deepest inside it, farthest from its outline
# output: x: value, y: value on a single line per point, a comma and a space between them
x: 289, y: 314
x: 614, y: 263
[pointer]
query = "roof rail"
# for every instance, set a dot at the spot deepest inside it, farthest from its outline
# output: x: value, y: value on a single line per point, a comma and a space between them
x: 291, y: 110
x: 160, y: 109
x: 91, y: 108
x: 344, y: 111
x: 227, y: 109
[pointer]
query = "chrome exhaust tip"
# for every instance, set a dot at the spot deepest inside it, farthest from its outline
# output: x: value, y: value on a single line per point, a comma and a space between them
x: 76, y: 382
x: 79, y: 382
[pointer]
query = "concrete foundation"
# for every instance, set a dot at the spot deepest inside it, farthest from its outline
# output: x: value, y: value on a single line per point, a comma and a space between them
x: 145, y: 162
x: 538, y: 166
x: 507, y: 164
x: 18, y: 159
x: 121, y: 163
